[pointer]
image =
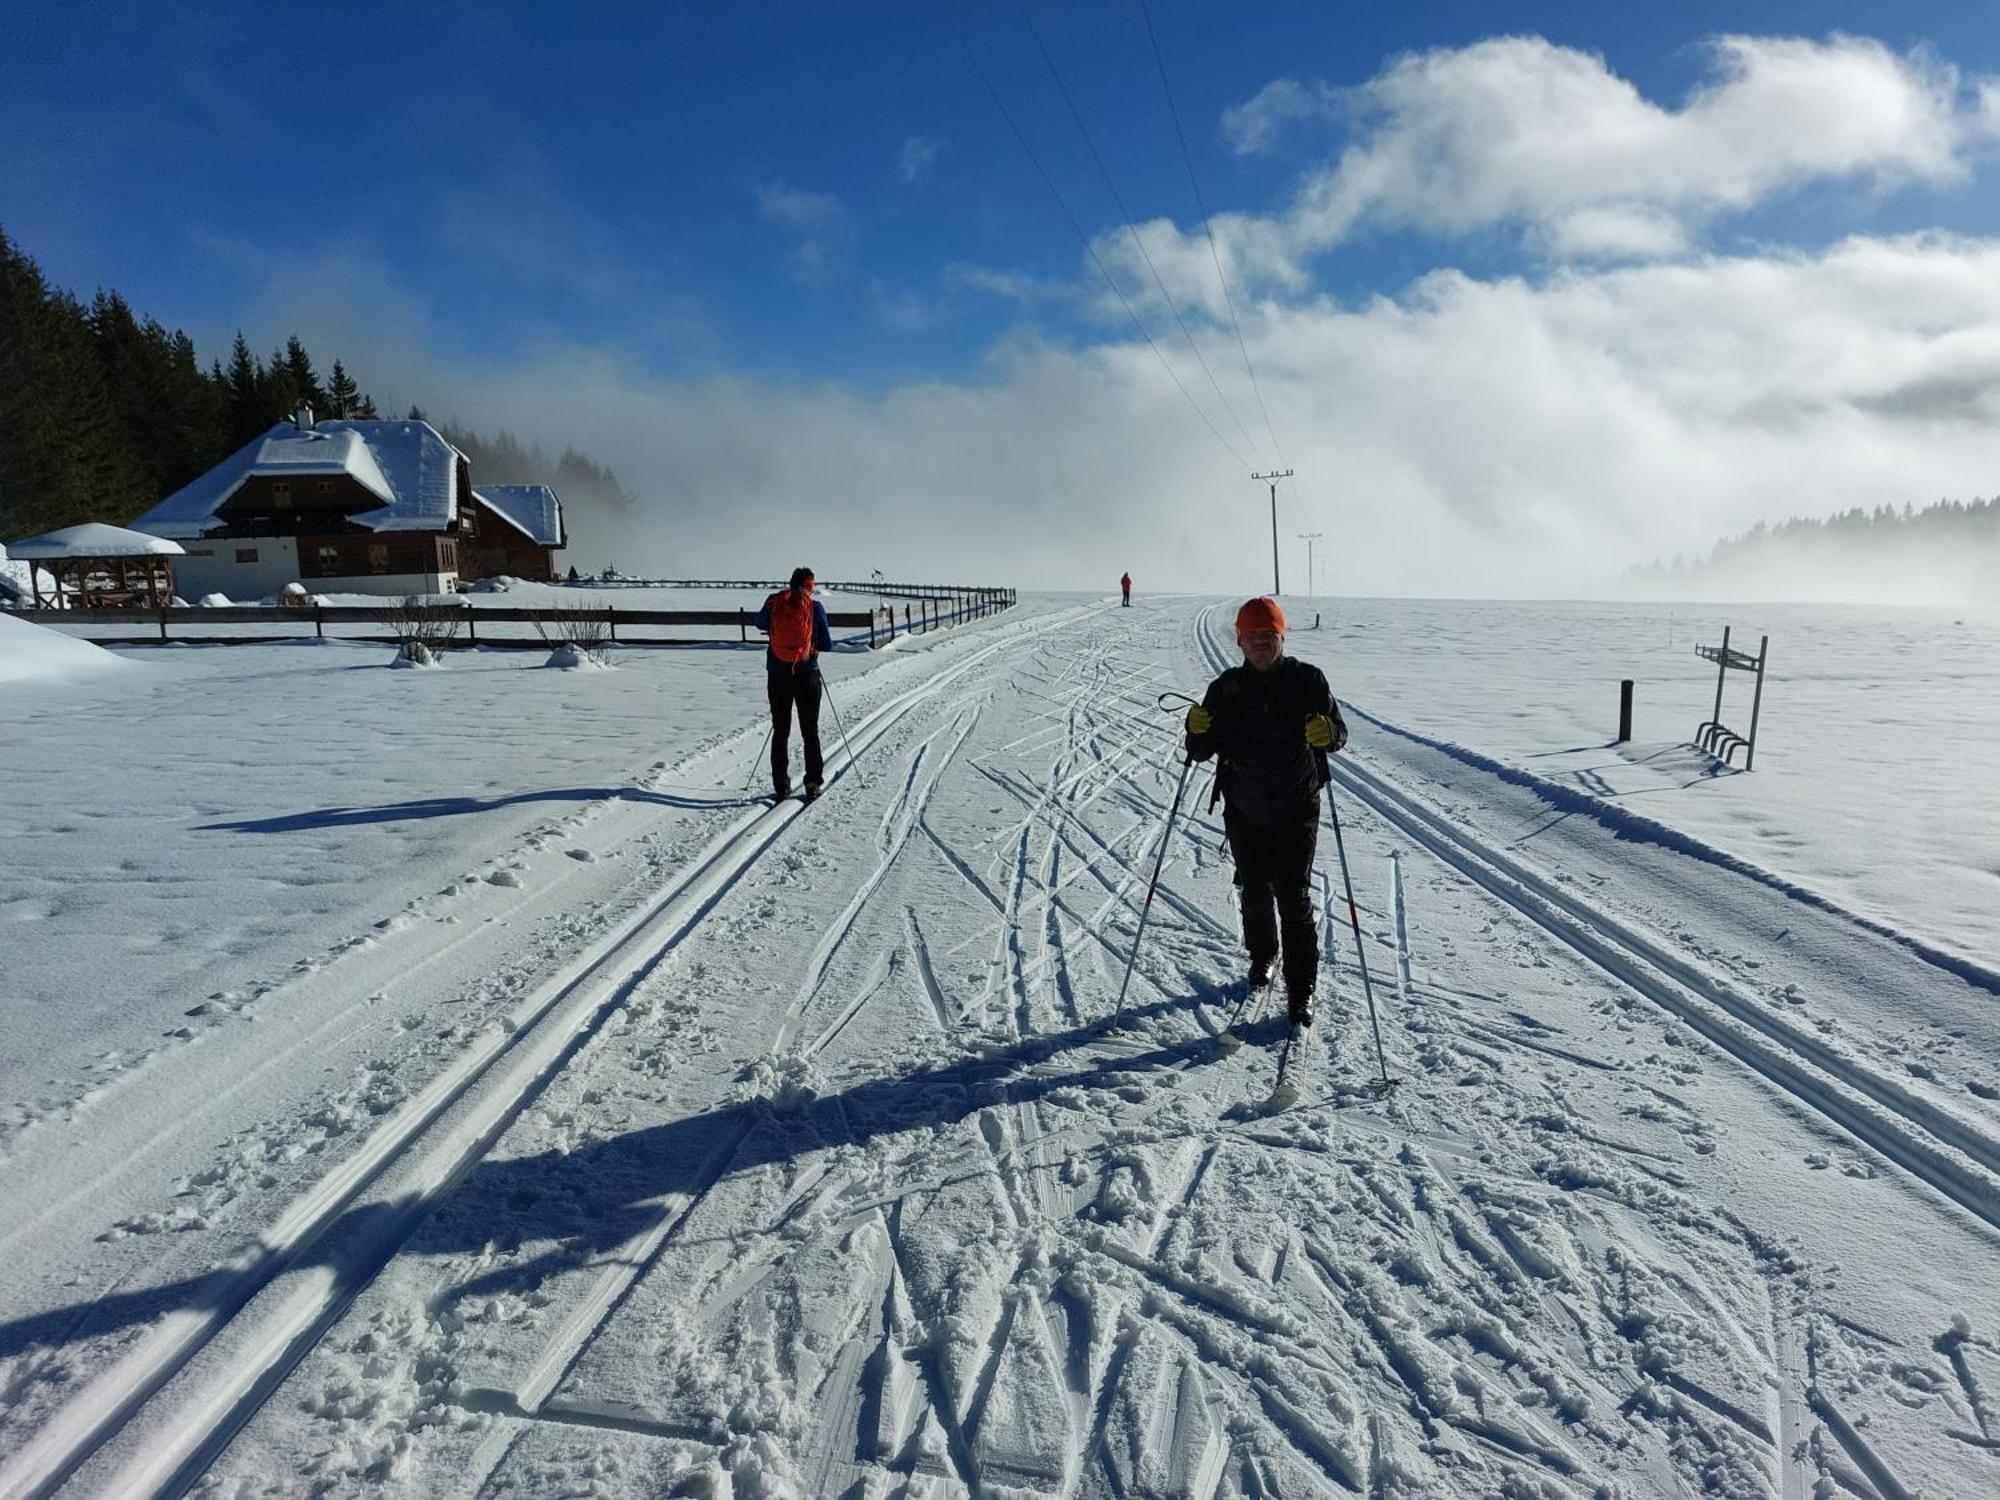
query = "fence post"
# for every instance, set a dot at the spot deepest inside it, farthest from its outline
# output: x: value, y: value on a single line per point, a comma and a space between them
x: 743, y: 627
x: 471, y: 626
x: 611, y: 622
x: 1624, y: 710
x: 163, y: 621
x: 1756, y: 702
x: 319, y: 621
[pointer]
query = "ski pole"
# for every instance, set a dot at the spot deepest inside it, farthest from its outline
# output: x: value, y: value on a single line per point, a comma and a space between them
x: 760, y: 758
x: 1166, y: 838
x: 837, y: 720
x: 1360, y: 953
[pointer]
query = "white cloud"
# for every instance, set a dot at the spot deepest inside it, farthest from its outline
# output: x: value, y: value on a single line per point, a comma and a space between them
x: 918, y: 156
x: 1476, y: 437
x: 1253, y: 125
x: 1015, y: 286
x: 1518, y: 132
x: 823, y: 228
x: 799, y: 209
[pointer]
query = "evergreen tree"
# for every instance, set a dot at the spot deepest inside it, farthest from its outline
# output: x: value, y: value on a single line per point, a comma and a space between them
x: 343, y: 396
x: 306, y: 388
x: 279, y: 396
x: 246, y: 384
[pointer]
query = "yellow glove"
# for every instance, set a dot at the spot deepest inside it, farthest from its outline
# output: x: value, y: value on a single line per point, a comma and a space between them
x: 1319, y: 732
x: 1199, y: 720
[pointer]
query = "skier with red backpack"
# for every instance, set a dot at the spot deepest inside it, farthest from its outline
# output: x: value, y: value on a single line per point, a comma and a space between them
x: 796, y: 625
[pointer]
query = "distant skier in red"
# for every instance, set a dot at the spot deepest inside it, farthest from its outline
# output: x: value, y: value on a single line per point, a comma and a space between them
x: 1125, y: 588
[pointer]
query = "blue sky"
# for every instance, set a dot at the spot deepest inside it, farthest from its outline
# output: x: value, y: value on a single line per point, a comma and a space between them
x: 601, y: 222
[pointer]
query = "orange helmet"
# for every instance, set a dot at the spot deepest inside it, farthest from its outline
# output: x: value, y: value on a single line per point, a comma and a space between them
x: 1259, y: 614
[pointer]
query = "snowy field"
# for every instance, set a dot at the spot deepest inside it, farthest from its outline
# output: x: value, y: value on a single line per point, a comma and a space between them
x: 450, y: 1083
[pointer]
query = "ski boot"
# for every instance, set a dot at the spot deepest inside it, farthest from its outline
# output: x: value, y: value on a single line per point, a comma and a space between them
x: 812, y: 791
x: 1299, y: 1007
x: 1260, y: 972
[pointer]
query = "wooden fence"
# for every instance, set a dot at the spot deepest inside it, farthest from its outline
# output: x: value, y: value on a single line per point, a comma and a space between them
x: 626, y: 627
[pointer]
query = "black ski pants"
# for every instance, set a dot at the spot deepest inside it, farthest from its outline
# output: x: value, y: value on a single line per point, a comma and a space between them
x: 786, y: 690
x: 1274, y: 863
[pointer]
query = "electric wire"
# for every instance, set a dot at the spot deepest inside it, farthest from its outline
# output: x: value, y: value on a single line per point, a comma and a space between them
x: 1132, y: 230
x: 1161, y: 63
x: 1091, y: 249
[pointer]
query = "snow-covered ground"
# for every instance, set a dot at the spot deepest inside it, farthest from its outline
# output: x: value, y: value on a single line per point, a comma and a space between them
x: 448, y: 1083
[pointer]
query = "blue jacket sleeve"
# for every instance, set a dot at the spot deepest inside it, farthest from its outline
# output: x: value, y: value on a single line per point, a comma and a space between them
x: 822, y: 636
x: 763, y: 620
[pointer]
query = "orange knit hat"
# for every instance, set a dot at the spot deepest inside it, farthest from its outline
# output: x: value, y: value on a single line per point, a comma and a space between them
x: 1259, y: 614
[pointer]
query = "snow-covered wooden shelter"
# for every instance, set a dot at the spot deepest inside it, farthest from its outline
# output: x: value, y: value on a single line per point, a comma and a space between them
x: 95, y: 566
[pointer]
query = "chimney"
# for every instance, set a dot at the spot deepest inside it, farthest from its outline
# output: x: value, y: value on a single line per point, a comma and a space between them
x: 304, y: 419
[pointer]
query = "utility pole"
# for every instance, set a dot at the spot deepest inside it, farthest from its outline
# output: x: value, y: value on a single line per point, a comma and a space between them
x: 1312, y: 578
x: 1273, y: 477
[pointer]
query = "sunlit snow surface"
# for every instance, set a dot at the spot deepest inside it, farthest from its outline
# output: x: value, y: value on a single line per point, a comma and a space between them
x: 562, y: 1120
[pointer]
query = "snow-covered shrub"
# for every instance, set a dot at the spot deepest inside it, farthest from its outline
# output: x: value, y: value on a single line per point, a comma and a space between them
x: 577, y: 636
x: 573, y: 658
x: 216, y: 601
x: 426, y: 627
x: 417, y: 654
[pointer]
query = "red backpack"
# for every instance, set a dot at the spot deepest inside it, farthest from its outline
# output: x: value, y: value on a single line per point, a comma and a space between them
x: 791, y: 625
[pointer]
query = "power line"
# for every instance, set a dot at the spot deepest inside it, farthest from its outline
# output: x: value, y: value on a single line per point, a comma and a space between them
x: 1111, y: 187
x: 1091, y: 249
x: 1187, y: 157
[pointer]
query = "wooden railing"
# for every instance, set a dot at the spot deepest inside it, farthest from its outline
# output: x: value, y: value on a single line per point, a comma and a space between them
x: 626, y: 627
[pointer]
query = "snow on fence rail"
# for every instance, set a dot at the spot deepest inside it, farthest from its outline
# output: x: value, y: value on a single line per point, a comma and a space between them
x: 874, y: 627
x: 953, y: 591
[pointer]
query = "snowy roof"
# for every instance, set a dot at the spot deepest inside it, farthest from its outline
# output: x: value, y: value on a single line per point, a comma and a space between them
x: 532, y: 509
x: 408, y: 464
x: 93, y: 539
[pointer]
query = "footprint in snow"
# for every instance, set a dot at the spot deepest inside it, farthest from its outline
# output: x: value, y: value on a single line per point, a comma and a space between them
x: 582, y: 856
x: 503, y: 877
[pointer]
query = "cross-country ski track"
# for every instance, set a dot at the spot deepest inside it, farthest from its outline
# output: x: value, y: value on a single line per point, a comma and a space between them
x: 822, y: 1168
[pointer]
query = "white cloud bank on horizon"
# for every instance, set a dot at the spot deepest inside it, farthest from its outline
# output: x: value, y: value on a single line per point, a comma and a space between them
x: 1520, y: 134
x: 1530, y: 435
x: 1500, y: 438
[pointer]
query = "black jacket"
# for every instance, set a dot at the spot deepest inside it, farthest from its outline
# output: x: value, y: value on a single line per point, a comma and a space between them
x: 1266, y: 771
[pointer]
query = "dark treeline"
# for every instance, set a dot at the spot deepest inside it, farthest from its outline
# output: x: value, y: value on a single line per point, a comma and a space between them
x: 1945, y: 553
x: 103, y: 413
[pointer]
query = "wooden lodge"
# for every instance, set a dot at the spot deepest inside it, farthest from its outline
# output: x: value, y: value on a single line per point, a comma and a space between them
x: 375, y: 507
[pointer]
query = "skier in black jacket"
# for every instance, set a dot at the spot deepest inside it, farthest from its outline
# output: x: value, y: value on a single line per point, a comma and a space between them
x: 1271, y: 723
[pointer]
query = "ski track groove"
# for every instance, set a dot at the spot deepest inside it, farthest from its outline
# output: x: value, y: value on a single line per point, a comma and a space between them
x: 1932, y: 1144
x: 526, y: 1058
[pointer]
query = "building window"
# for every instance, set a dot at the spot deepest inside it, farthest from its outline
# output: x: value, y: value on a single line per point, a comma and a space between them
x: 378, y: 557
x: 329, y: 556
x: 447, y: 552
x: 326, y: 486
x: 281, y: 496
x: 246, y: 554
